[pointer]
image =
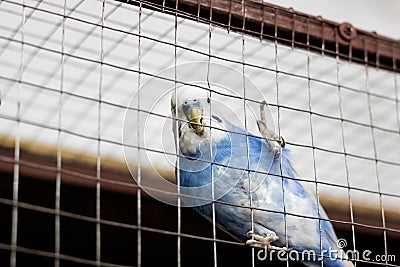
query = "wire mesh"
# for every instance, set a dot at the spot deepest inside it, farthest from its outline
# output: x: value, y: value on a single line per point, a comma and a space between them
x: 72, y: 72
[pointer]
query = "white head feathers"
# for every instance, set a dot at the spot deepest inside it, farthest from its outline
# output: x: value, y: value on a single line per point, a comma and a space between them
x: 191, y: 106
x: 187, y: 93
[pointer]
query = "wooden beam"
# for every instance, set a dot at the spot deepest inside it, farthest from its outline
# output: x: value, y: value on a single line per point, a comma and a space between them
x: 289, y: 27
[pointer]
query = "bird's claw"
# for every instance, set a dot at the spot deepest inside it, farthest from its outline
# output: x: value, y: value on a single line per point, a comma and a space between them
x: 274, y: 140
x: 264, y: 242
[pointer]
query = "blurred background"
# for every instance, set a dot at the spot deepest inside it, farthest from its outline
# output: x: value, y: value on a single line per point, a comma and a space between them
x: 368, y: 15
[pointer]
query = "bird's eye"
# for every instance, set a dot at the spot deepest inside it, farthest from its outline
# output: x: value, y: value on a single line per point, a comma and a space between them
x: 208, y: 100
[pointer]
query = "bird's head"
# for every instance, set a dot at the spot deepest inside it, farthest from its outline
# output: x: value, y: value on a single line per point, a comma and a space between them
x: 190, y: 105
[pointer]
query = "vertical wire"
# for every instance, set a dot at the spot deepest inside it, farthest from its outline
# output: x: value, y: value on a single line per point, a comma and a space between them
x: 374, y: 148
x: 339, y: 90
x: 262, y: 23
x: 214, y: 230
x: 246, y: 128
x: 179, y: 215
x: 396, y: 93
x: 14, y: 226
x: 14, y: 32
x: 312, y: 141
x: 98, y: 159
x: 279, y: 128
x: 59, y: 152
x: 366, y: 66
x: 293, y: 30
x: 230, y: 16
x: 198, y: 10
x: 139, y: 172
x: 247, y: 150
x: 323, y: 39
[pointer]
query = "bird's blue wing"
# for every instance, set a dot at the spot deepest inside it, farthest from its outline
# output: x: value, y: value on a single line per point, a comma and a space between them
x: 244, y: 166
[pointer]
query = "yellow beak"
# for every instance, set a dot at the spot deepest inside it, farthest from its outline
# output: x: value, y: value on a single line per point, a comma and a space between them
x: 195, y: 116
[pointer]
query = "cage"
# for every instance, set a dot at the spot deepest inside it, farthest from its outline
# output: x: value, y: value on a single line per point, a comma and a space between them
x: 87, y: 152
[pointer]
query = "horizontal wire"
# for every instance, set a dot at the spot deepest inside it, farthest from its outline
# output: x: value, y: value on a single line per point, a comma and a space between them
x: 201, y: 53
x: 93, y: 178
x: 59, y: 255
x: 231, y: 96
x: 72, y: 173
x: 232, y: 204
x: 205, y: 161
x: 182, y: 120
x: 222, y: 94
x: 135, y: 186
x: 106, y: 264
x: 295, y: 109
x: 208, y: 161
x: 173, y: 11
x: 274, y: 36
x: 21, y: 24
x: 131, y: 226
x: 52, y: 211
x: 117, y: 4
x: 377, y: 263
x: 81, y: 217
x: 52, y: 41
x: 213, y: 127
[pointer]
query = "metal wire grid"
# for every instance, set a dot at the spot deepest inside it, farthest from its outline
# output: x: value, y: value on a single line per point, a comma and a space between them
x: 279, y: 69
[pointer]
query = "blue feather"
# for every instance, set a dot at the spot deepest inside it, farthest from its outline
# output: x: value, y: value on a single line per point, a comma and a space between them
x: 243, y: 164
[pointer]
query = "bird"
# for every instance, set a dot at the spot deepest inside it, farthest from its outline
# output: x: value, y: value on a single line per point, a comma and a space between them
x: 249, y: 180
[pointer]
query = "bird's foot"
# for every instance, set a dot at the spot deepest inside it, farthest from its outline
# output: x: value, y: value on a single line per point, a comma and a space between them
x: 264, y: 242
x: 274, y: 140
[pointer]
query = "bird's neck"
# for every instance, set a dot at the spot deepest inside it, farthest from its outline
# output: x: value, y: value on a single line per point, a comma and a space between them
x: 190, y: 143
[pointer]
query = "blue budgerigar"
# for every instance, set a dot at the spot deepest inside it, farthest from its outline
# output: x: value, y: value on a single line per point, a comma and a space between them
x: 247, y: 170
